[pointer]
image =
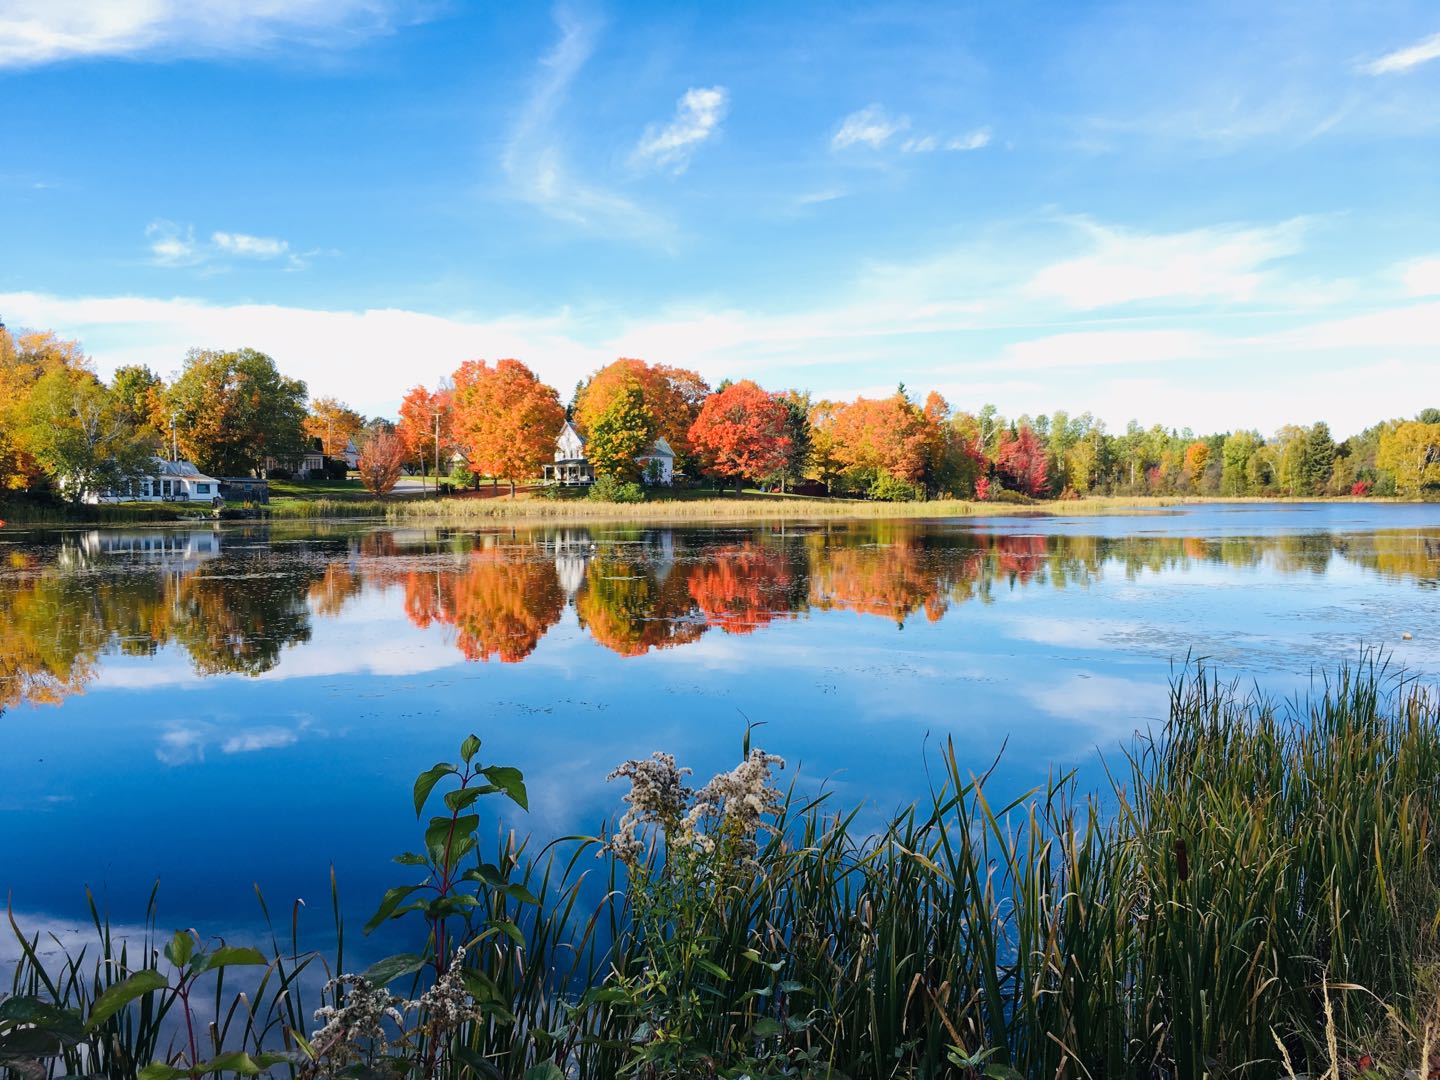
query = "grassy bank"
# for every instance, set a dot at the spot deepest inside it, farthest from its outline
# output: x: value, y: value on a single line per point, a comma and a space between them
x: 702, y: 506
x: 1255, y: 895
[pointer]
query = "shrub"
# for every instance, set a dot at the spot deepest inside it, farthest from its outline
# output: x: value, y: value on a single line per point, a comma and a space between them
x: 614, y: 490
x: 885, y: 488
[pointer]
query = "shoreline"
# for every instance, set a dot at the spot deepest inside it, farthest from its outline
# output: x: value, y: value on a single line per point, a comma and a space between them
x: 754, y: 506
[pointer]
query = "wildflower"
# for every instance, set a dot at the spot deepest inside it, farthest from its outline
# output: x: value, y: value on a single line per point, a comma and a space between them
x: 448, y: 1004
x: 740, y: 799
x: 657, y: 795
x: 355, y: 1030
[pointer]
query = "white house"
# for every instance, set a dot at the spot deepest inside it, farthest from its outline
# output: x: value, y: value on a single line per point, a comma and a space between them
x: 657, y: 465
x: 351, y: 454
x: 165, y: 481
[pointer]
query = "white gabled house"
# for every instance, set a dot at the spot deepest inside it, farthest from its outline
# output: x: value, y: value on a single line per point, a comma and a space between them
x: 657, y: 465
x: 164, y: 481
x: 570, y: 467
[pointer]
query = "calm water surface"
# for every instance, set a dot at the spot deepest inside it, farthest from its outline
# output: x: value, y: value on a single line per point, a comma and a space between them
x: 221, y: 707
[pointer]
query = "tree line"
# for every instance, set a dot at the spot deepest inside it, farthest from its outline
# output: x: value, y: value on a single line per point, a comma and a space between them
x: 63, y: 429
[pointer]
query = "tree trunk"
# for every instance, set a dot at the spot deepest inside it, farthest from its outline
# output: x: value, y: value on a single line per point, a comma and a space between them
x: 512, y: 489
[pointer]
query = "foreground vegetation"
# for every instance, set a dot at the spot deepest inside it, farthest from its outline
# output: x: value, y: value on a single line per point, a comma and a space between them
x: 1255, y: 895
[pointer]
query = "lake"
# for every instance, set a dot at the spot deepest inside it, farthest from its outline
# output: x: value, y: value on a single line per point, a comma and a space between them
x: 222, y: 707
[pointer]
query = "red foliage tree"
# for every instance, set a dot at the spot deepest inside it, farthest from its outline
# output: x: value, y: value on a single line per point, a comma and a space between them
x: 380, y: 463
x: 425, y: 425
x: 740, y: 432
x: 1020, y: 459
x: 506, y: 419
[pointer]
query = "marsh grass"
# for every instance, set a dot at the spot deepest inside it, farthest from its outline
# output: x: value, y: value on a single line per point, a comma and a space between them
x: 1253, y: 893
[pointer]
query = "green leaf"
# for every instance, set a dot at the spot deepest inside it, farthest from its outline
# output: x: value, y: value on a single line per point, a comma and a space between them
x: 426, y: 781
x: 237, y: 1061
x: 233, y: 956
x: 411, y: 859
x: 122, y: 993
x: 388, y: 903
x: 469, y: 748
x: 511, y: 781
x: 790, y: 986
x: 459, y: 800
x: 713, y: 968
x: 521, y: 893
x: 443, y: 832
x: 766, y: 1028
x: 158, y: 1070
x: 392, y: 967
x: 510, y: 930
x: 546, y: 1070
x: 180, y: 948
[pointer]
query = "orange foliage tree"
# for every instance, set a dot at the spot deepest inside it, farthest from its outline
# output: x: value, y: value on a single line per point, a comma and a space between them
x: 740, y: 432
x: 334, y: 423
x: 672, y: 395
x: 380, y: 463
x: 506, y: 419
x: 888, y: 436
x: 426, y: 425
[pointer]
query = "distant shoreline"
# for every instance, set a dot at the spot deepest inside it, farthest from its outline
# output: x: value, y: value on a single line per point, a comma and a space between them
x: 752, y: 506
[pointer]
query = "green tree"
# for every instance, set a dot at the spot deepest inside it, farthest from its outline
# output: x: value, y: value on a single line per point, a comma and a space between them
x: 233, y: 410
x: 77, y: 431
x: 138, y: 393
x: 1411, y: 452
x: 797, y: 428
x: 1318, y: 459
x: 621, y: 433
x: 1235, y: 456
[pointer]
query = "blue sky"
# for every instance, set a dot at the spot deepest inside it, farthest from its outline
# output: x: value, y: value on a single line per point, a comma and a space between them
x: 1216, y: 215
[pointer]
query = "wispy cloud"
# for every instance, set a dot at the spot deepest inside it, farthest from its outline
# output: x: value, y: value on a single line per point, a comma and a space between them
x: 976, y: 140
x: 250, y: 247
x: 871, y: 126
x: 1422, y: 52
x: 874, y: 127
x: 535, y: 162
x: 1224, y: 263
x: 35, y: 32
x: 698, y: 115
x: 175, y: 245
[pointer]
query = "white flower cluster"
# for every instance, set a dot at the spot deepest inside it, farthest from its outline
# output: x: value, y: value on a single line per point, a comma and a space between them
x: 355, y: 1031
x: 658, y: 796
x: 357, y: 1028
x: 739, y: 800
x: 733, y: 804
x: 448, y: 1004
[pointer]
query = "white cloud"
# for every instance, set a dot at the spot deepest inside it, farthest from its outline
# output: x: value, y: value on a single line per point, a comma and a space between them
x: 976, y: 140
x: 919, y: 145
x: 253, y: 247
x: 1102, y: 348
x: 174, y: 245
x: 1422, y: 52
x: 1225, y: 263
x: 872, y: 126
x: 34, y: 32
x: 171, y: 245
x: 698, y: 115
x: 535, y: 163
x: 261, y: 738
x: 1422, y: 277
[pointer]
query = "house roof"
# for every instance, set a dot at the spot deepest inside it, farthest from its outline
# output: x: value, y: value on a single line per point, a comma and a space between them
x: 568, y: 426
x: 184, y: 469
x: 660, y: 448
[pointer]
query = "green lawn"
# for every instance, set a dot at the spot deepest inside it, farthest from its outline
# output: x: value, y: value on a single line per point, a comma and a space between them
x: 311, y: 489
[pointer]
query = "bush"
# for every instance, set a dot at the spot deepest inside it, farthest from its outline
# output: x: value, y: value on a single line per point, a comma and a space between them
x: 614, y: 490
x: 336, y: 469
x: 885, y: 488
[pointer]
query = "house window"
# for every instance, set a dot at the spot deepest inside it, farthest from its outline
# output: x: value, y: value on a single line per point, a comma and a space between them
x: 202, y: 489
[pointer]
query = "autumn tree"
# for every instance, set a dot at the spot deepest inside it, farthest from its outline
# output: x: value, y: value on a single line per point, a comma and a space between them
x: 139, y: 396
x: 23, y: 362
x: 624, y: 430
x: 797, y: 430
x: 880, y: 439
x: 234, y: 410
x: 740, y: 432
x: 1020, y: 459
x: 1411, y: 452
x: 824, y: 459
x: 334, y: 423
x: 673, y: 396
x: 505, y: 419
x: 427, y: 425
x: 380, y: 463
x: 1197, y: 456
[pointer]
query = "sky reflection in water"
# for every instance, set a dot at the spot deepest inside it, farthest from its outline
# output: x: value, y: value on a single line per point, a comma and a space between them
x: 222, y: 707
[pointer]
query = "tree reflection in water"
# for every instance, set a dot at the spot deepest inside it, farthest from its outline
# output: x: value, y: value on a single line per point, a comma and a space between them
x: 233, y: 600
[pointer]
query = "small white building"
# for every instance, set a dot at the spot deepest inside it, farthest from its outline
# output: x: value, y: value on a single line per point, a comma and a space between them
x: 166, y: 481
x: 657, y: 465
x: 351, y: 454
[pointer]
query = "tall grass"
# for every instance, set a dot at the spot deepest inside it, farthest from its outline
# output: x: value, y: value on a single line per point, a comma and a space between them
x: 1257, y: 882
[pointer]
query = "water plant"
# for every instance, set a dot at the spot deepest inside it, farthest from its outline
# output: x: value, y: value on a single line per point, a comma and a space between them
x: 1253, y: 894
